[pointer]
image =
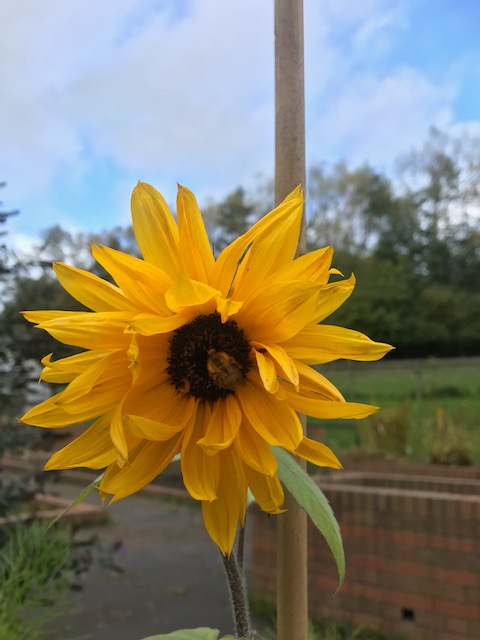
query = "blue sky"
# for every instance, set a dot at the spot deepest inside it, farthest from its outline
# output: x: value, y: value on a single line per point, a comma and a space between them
x: 98, y: 95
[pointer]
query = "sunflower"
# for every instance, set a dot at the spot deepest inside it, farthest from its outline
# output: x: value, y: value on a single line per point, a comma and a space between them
x: 205, y: 357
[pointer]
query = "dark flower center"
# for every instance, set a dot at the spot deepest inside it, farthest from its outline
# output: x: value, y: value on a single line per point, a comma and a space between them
x: 208, y: 358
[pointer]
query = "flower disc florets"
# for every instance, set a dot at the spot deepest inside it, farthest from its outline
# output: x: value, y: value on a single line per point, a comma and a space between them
x: 208, y: 358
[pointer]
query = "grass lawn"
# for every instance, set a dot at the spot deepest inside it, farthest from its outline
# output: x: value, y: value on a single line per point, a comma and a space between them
x: 435, y: 390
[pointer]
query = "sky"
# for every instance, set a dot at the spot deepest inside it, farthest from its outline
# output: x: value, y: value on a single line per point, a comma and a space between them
x: 95, y: 96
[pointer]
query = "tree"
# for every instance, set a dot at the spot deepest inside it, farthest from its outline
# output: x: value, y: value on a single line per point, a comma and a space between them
x: 5, y: 254
x: 232, y: 217
x: 414, y: 245
x: 347, y: 208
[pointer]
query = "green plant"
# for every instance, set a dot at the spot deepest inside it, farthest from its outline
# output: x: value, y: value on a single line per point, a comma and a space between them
x: 446, y: 441
x: 35, y: 574
x: 387, y: 431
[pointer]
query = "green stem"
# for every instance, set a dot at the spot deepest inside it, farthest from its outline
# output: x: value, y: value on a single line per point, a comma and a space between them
x: 241, y: 614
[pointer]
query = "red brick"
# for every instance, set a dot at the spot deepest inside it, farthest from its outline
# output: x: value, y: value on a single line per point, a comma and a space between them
x: 457, y: 577
x: 411, y: 600
x: 329, y: 584
x: 370, y: 562
x: 460, y: 627
x: 367, y: 620
x: 458, y: 610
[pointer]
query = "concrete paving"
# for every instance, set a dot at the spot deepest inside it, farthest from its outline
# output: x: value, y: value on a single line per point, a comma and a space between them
x: 172, y: 574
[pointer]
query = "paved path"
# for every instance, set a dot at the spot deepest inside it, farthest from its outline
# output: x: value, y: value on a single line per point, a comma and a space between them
x: 173, y: 575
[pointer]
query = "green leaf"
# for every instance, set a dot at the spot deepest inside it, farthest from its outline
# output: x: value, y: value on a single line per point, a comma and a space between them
x: 313, y: 500
x: 78, y: 500
x: 202, y: 633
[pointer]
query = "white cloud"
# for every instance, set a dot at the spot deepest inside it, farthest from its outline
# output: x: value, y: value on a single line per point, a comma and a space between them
x: 165, y: 95
x: 374, y: 119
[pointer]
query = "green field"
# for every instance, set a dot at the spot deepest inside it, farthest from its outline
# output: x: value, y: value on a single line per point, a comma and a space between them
x: 440, y: 400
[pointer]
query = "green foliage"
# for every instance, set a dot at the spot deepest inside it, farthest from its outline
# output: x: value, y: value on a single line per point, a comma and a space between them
x: 446, y: 441
x: 449, y: 385
x: 231, y: 217
x: 34, y: 581
x: 415, y: 247
x: 387, y: 432
x: 16, y: 491
x: 313, y: 501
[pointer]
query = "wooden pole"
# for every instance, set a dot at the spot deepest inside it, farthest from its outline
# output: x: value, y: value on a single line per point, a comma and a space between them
x: 292, y: 577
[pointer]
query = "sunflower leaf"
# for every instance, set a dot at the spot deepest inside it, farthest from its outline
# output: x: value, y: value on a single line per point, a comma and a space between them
x: 314, y: 502
x: 202, y: 633
x: 93, y: 485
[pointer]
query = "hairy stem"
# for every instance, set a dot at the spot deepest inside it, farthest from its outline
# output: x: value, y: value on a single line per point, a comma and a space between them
x: 241, y: 613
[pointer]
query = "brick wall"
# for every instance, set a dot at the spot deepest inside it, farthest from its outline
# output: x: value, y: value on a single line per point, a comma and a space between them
x: 412, y: 545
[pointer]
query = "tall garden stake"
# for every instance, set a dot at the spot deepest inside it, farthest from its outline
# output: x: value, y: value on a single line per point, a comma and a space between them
x: 292, y: 583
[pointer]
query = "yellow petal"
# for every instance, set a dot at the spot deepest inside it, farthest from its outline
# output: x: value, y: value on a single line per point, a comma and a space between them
x: 254, y: 451
x: 287, y: 214
x: 195, y: 251
x: 186, y: 292
x: 150, y: 460
x: 104, y: 330
x: 158, y: 400
x: 118, y: 436
x: 267, y: 372
x: 90, y: 290
x: 38, y: 317
x: 331, y: 297
x: 111, y: 370
x: 223, y: 425
x: 148, y: 357
x: 49, y: 414
x: 268, y: 253
x: 317, y: 453
x: 93, y: 449
x: 266, y: 490
x: 151, y: 429
x: 284, y: 362
x: 155, y: 229
x: 280, y: 312
x: 327, y: 409
x: 221, y: 516
x: 201, y: 472
x: 317, y: 344
x: 83, y: 399
x: 314, y: 382
x: 67, y: 369
x: 314, y: 266
x: 141, y: 282
x: 273, y: 420
x: 227, y: 307
x: 149, y: 324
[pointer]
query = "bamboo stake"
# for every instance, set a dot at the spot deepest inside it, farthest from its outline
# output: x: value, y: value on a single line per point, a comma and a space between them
x: 292, y: 577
